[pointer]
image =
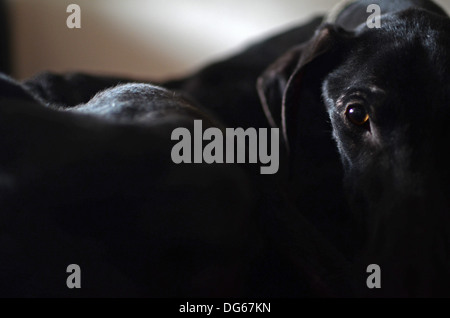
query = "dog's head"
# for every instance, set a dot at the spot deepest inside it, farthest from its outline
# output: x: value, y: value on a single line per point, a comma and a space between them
x: 386, y: 93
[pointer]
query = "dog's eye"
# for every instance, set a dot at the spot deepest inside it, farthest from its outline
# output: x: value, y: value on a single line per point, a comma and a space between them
x: 357, y: 114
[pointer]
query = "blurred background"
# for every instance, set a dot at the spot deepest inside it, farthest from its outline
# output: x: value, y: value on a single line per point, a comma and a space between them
x: 153, y: 39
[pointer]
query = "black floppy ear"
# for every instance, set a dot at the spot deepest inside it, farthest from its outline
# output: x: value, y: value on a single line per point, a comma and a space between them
x: 296, y: 76
x: 315, y: 171
x: 272, y: 84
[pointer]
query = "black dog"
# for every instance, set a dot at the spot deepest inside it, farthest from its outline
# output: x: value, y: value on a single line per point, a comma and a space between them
x: 387, y: 95
x: 84, y: 182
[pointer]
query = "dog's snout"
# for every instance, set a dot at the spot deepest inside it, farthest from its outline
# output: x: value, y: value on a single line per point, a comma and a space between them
x: 406, y: 216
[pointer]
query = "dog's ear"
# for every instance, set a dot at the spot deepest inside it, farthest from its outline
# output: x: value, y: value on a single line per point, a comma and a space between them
x: 291, y: 94
x: 296, y: 77
x: 272, y: 83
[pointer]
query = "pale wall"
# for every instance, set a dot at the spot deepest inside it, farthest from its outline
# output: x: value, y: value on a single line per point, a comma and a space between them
x: 145, y: 38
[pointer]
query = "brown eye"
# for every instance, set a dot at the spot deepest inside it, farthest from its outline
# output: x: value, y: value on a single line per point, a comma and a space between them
x: 357, y: 114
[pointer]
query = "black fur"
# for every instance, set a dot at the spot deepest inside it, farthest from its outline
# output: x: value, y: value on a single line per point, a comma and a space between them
x: 86, y: 175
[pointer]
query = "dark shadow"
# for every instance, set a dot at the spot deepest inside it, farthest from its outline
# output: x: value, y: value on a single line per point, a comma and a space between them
x: 5, y: 38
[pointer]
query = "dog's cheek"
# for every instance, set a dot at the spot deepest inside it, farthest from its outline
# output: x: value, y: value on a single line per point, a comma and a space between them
x: 345, y: 141
x: 340, y: 131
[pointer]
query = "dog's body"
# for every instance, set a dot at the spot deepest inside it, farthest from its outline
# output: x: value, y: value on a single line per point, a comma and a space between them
x: 89, y: 179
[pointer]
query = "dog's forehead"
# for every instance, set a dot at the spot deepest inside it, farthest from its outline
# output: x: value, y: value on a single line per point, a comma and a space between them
x: 413, y: 35
x: 409, y: 54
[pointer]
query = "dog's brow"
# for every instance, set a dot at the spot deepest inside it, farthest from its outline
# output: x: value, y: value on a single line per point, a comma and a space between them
x: 362, y: 91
